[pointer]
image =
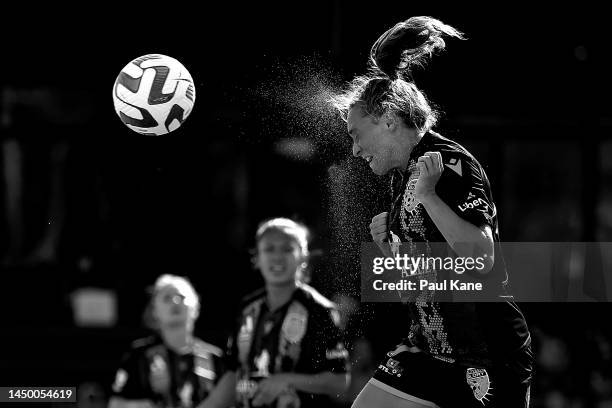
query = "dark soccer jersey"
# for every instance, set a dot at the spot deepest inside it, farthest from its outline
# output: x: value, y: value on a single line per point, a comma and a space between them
x: 466, y: 333
x: 302, y: 337
x: 150, y: 370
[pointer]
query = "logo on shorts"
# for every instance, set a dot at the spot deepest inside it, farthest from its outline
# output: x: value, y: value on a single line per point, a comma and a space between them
x: 394, y: 368
x: 478, y: 380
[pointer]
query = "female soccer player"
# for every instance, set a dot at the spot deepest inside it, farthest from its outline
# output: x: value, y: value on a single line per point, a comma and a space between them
x: 286, y: 350
x: 456, y: 354
x: 172, y: 368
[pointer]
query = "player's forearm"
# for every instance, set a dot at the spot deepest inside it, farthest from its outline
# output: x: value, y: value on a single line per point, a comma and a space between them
x: 323, y: 383
x: 466, y: 239
x: 224, y: 393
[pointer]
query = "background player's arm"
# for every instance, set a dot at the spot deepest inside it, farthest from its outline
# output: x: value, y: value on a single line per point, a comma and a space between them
x: 465, y: 238
x: 224, y: 393
x: 327, y: 383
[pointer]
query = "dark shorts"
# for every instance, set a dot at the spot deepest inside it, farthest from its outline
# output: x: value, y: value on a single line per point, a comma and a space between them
x: 418, y: 376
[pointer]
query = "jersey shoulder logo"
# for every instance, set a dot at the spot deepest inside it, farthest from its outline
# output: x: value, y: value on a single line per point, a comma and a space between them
x: 455, y: 165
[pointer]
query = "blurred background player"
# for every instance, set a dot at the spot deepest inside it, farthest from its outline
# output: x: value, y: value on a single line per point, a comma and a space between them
x: 456, y: 354
x: 171, y: 368
x: 287, y: 349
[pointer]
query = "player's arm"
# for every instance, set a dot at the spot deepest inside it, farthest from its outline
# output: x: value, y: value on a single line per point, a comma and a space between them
x: 466, y: 239
x: 327, y: 383
x: 224, y: 393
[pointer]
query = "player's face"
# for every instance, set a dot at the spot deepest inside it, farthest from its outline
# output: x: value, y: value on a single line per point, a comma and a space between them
x: 170, y: 309
x: 279, y: 257
x: 372, y: 140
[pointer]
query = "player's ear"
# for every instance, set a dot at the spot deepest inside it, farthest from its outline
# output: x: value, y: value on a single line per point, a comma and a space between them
x: 390, y: 121
x: 254, y: 258
x: 152, y: 317
x: 196, y: 312
x: 304, y: 257
x: 303, y: 263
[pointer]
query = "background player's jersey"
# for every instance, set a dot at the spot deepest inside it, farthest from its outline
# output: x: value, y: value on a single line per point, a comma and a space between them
x: 151, y: 370
x: 302, y: 337
x: 466, y: 333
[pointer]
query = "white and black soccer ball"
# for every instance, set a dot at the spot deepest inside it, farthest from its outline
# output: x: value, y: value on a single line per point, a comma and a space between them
x: 154, y: 94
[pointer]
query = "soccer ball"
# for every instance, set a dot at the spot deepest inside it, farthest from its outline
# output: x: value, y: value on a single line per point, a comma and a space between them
x: 154, y: 94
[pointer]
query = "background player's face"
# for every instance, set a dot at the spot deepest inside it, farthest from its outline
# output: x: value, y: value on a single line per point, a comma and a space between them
x: 372, y: 140
x: 279, y: 257
x: 170, y: 307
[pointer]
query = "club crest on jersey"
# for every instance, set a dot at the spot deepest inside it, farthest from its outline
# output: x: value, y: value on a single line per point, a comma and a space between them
x: 479, y: 382
x: 294, y: 327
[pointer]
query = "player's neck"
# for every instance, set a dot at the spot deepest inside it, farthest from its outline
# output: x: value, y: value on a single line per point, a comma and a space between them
x: 178, y: 339
x: 278, y: 295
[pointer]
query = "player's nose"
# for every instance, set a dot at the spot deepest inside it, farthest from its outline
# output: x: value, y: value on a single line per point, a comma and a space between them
x: 277, y: 255
x: 356, y: 150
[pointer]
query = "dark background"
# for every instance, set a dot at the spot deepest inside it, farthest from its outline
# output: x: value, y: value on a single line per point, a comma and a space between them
x: 527, y: 94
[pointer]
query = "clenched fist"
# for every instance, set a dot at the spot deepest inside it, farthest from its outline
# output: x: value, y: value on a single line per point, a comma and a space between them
x: 430, y: 167
x: 378, y: 231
